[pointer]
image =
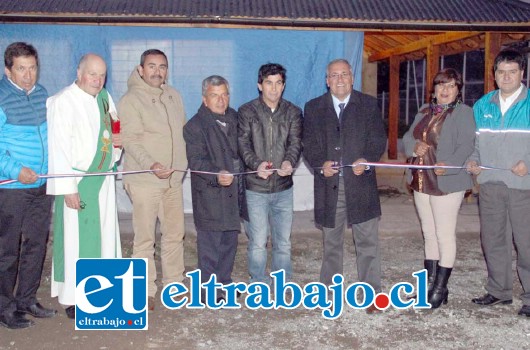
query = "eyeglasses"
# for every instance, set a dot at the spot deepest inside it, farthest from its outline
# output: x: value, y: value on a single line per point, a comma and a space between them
x: 448, y: 86
x: 335, y: 76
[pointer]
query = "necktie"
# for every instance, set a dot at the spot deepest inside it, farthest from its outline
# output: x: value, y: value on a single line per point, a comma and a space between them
x: 341, y: 107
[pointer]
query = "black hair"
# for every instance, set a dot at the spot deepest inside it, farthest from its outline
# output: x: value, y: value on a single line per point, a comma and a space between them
x: 271, y: 69
x: 18, y: 49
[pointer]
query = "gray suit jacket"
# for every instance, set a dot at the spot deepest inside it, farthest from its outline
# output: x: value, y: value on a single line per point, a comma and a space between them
x: 457, y: 142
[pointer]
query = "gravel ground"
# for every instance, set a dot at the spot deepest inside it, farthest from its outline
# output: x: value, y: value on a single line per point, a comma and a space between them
x: 457, y: 325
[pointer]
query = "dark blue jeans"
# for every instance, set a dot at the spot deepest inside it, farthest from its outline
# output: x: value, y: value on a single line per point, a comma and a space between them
x: 24, y: 229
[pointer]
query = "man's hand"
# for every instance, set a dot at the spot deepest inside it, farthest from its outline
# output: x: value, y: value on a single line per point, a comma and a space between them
x: 473, y: 168
x: 263, y: 172
x: 162, y: 172
x: 27, y: 176
x: 421, y: 148
x: 327, y: 169
x: 439, y: 171
x: 520, y: 169
x: 225, y: 178
x: 116, y: 140
x: 286, y: 168
x: 73, y: 201
x: 358, y: 169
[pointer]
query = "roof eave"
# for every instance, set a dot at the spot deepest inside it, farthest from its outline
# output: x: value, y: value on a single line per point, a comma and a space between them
x: 218, y: 21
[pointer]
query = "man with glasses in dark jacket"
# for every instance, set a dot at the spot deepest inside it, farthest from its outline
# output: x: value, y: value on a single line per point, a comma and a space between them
x: 343, y: 127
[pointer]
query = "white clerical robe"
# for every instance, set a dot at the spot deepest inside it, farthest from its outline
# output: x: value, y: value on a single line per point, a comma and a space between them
x: 73, y: 131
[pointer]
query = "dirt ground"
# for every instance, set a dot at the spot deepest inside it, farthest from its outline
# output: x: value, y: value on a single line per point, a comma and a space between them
x: 457, y: 325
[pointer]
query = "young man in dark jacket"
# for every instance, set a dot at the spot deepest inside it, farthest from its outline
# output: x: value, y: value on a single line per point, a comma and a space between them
x: 218, y: 200
x: 270, y: 132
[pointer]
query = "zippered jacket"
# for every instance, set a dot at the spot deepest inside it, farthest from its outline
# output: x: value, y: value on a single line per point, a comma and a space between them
x: 267, y: 136
x: 502, y: 140
x: 23, y: 133
x: 152, y: 122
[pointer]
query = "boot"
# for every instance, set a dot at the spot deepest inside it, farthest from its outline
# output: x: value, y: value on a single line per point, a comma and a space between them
x: 430, y: 266
x: 439, y: 292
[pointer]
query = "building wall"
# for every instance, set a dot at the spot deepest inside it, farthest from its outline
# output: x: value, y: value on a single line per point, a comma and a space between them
x: 193, y: 54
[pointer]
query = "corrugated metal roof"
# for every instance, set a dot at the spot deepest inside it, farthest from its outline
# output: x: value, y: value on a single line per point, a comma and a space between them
x: 379, y: 11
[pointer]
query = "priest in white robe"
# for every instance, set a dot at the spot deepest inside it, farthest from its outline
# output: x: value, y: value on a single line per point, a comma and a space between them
x: 81, y: 140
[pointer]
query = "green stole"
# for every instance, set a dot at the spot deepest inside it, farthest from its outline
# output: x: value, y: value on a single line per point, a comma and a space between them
x: 88, y: 189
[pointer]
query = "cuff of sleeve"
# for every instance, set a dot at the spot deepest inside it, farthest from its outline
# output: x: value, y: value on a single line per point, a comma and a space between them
x: 16, y: 168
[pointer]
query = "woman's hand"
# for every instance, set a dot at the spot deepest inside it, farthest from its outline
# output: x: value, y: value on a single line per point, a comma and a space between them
x: 439, y: 171
x: 421, y: 148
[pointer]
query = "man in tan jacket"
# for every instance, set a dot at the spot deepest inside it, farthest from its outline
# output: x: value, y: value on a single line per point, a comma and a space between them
x: 152, y: 119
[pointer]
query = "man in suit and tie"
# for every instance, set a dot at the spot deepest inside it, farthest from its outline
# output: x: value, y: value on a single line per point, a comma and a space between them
x: 344, y: 127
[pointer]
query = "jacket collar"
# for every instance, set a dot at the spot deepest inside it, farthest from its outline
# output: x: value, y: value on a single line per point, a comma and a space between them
x: 136, y: 82
x: 354, y: 99
x: 210, y: 116
x: 267, y: 108
x: 17, y: 90
x: 495, y: 97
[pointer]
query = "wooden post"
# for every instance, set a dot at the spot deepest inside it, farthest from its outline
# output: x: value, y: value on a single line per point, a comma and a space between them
x: 369, y: 75
x: 393, y: 107
x: 492, y: 46
x: 433, y: 66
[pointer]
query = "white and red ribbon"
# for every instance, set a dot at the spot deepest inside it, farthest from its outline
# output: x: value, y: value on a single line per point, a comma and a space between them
x: 369, y: 164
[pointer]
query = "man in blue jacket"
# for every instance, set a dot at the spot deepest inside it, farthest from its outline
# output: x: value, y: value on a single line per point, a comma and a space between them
x: 24, y: 205
x: 503, y: 140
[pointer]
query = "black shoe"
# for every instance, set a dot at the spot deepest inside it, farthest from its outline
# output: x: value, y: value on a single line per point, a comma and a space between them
x: 70, y: 312
x: 15, y: 320
x: 489, y: 300
x: 37, y: 310
x: 525, y: 311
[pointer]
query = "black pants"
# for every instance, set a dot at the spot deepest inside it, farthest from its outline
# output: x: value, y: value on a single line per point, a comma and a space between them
x: 24, y: 229
x: 216, y: 252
